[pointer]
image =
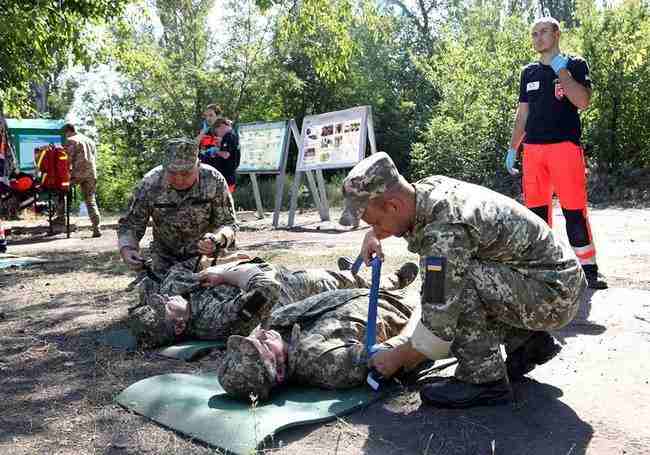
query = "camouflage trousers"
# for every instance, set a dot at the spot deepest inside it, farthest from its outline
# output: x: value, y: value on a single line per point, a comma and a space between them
x: 88, y: 190
x: 502, y: 305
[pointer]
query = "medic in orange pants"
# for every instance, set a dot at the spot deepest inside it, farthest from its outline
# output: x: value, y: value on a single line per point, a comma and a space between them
x: 547, y: 121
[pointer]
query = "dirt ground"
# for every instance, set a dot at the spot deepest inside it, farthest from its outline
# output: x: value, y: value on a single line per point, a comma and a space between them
x: 57, y: 385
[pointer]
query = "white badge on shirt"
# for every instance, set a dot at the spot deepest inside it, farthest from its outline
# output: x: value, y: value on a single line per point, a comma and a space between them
x: 532, y: 86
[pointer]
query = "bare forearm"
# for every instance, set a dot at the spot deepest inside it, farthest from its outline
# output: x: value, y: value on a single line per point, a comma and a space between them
x: 578, y: 94
x: 519, y: 128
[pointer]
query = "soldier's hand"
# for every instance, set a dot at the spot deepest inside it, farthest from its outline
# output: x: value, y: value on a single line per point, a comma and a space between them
x: 207, y: 247
x: 386, y: 362
x: 371, y: 247
x: 210, y: 279
x: 132, y: 258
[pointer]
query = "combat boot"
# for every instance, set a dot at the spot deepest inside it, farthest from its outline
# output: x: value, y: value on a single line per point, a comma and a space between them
x: 344, y: 263
x: 96, y: 232
x: 537, y: 350
x: 595, y: 280
x: 407, y: 274
x: 452, y: 393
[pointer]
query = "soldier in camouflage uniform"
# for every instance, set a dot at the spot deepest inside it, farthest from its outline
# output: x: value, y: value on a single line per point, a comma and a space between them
x: 190, y: 208
x: 492, y: 271
x: 83, y: 172
x: 318, y: 341
x: 233, y: 298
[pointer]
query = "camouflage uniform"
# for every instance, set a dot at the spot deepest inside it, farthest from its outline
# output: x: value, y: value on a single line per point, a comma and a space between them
x: 179, y: 218
x: 326, y: 337
x: 501, y: 272
x: 221, y: 311
x: 83, y: 172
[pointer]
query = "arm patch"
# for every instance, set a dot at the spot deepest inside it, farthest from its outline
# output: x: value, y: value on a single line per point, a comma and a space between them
x: 433, y: 288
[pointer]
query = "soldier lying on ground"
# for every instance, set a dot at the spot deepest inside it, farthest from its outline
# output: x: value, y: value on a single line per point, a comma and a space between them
x: 318, y: 341
x: 233, y: 298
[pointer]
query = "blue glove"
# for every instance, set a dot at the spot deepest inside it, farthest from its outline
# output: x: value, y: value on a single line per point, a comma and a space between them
x: 211, y: 152
x: 559, y: 61
x: 205, y: 128
x: 511, y: 157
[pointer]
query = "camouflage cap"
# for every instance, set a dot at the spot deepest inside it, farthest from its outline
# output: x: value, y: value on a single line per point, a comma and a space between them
x: 368, y: 179
x: 181, y: 155
x: 244, y: 372
x: 149, y: 324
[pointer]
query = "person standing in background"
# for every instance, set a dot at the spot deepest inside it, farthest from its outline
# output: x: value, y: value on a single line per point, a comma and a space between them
x: 82, y: 156
x: 547, y: 121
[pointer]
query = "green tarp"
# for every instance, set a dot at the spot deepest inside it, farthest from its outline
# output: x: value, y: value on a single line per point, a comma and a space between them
x: 196, y: 406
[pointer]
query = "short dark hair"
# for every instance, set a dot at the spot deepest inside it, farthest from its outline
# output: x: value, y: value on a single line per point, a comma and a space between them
x: 69, y: 128
x: 221, y: 121
x: 214, y: 108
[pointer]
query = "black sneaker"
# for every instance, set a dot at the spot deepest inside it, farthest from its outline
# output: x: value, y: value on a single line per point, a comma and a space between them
x: 595, y: 280
x: 407, y: 274
x: 454, y: 394
x: 539, y: 349
x: 345, y: 263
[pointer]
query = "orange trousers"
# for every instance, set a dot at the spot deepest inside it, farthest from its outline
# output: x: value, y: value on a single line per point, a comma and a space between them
x: 560, y: 168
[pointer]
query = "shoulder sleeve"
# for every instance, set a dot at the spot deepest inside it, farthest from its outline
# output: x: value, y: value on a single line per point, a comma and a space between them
x: 444, y: 260
x: 580, y: 71
x: 223, y: 207
x: 523, y: 96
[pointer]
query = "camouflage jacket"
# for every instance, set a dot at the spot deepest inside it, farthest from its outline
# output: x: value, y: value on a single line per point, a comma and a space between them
x: 179, y: 218
x: 463, y: 223
x: 82, y: 156
x: 326, y: 334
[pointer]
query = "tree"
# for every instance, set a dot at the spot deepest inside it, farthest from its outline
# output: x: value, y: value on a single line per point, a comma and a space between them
x: 37, y: 36
x: 476, y: 72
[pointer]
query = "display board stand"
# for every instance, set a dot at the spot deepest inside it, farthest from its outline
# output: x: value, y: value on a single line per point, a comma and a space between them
x: 315, y: 178
x: 279, y: 168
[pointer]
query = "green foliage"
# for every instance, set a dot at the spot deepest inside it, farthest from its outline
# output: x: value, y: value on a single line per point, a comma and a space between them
x: 616, y: 44
x: 476, y: 71
x: 38, y: 35
x: 115, y: 180
x: 442, y: 78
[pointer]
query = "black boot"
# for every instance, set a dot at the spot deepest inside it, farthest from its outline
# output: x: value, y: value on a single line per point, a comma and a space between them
x: 539, y: 349
x: 345, y: 263
x: 595, y: 280
x: 455, y: 394
x: 407, y: 274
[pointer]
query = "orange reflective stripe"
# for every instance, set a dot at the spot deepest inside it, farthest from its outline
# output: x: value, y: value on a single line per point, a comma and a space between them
x: 586, y: 254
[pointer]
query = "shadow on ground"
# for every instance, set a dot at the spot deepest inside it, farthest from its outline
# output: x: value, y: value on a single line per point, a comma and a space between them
x: 538, y: 424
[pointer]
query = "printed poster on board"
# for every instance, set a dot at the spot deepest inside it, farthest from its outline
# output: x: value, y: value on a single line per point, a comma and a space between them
x: 262, y: 146
x: 333, y: 140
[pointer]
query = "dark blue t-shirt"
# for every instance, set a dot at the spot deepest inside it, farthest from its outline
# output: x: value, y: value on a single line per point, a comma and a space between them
x: 227, y: 167
x: 552, y: 117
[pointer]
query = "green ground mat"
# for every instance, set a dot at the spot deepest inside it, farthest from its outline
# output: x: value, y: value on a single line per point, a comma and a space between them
x: 191, y: 350
x: 196, y: 406
x: 10, y: 260
x: 123, y: 340
x: 119, y: 339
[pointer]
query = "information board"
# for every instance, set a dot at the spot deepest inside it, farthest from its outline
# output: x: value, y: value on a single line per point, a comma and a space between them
x: 333, y: 140
x: 262, y: 146
x: 30, y: 143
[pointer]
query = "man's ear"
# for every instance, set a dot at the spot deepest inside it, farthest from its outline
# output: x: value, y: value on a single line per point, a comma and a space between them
x: 392, y: 206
